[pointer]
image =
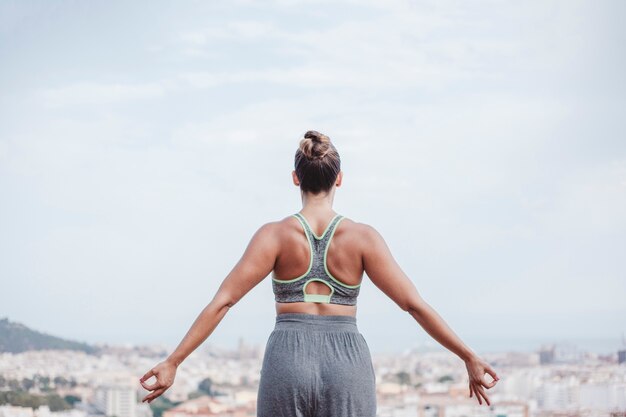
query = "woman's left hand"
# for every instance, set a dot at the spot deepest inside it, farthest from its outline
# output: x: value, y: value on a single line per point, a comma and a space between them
x: 476, y: 369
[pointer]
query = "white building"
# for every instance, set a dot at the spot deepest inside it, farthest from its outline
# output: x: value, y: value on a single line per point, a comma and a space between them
x: 116, y: 400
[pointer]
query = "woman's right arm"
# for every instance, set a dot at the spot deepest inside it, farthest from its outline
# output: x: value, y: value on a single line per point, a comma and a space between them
x: 256, y: 263
x: 381, y: 267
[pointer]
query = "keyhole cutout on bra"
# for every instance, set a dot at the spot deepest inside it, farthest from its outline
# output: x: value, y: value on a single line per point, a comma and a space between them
x: 318, y: 297
x: 317, y: 287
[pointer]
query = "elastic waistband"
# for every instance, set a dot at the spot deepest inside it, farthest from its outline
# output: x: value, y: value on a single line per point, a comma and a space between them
x: 316, y: 322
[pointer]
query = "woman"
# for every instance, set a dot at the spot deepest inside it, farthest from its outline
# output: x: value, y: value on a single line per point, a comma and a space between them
x: 316, y: 361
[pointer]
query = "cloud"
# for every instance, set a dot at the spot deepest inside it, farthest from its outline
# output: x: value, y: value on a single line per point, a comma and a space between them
x: 86, y: 93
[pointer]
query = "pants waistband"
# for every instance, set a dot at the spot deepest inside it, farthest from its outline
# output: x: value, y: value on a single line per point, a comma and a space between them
x: 306, y: 321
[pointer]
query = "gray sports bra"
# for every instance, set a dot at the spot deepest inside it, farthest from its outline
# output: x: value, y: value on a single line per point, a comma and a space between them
x: 293, y: 290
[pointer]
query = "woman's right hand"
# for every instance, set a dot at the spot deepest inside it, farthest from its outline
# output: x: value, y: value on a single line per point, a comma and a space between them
x: 165, y: 373
x: 476, y: 369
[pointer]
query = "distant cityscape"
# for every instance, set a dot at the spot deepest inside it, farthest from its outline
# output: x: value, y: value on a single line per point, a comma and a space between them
x: 102, y: 381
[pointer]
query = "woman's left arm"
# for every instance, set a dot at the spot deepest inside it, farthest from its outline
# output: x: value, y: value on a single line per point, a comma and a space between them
x: 256, y: 263
x: 387, y: 275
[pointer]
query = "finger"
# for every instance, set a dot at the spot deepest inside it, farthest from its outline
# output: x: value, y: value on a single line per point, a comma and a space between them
x: 481, y: 391
x: 151, y: 387
x: 486, y: 384
x: 157, y: 394
x: 153, y: 395
x: 476, y: 394
x: 493, y: 374
x: 482, y: 394
x: 147, y: 375
x: 470, y: 389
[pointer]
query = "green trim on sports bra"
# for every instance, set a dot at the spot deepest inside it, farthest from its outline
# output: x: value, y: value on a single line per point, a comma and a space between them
x: 285, y: 281
x: 330, y: 239
x: 311, y: 229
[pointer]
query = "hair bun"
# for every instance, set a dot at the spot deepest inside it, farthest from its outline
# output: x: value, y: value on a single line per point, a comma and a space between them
x: 317, y: 162
x: 316, y: 136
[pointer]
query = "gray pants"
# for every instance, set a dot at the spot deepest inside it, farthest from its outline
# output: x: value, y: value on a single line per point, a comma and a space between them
x: 316, y: 366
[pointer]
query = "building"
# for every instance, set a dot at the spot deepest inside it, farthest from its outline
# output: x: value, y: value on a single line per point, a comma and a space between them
x: 116, y: 400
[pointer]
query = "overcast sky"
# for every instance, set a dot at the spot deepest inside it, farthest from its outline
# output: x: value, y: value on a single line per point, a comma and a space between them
x: 143, y: 143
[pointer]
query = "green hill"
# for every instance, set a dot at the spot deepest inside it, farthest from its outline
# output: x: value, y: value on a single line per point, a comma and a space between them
x: 16, y: 338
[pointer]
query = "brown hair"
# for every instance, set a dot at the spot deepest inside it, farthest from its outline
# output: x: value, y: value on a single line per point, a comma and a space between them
x: 317, y: 163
